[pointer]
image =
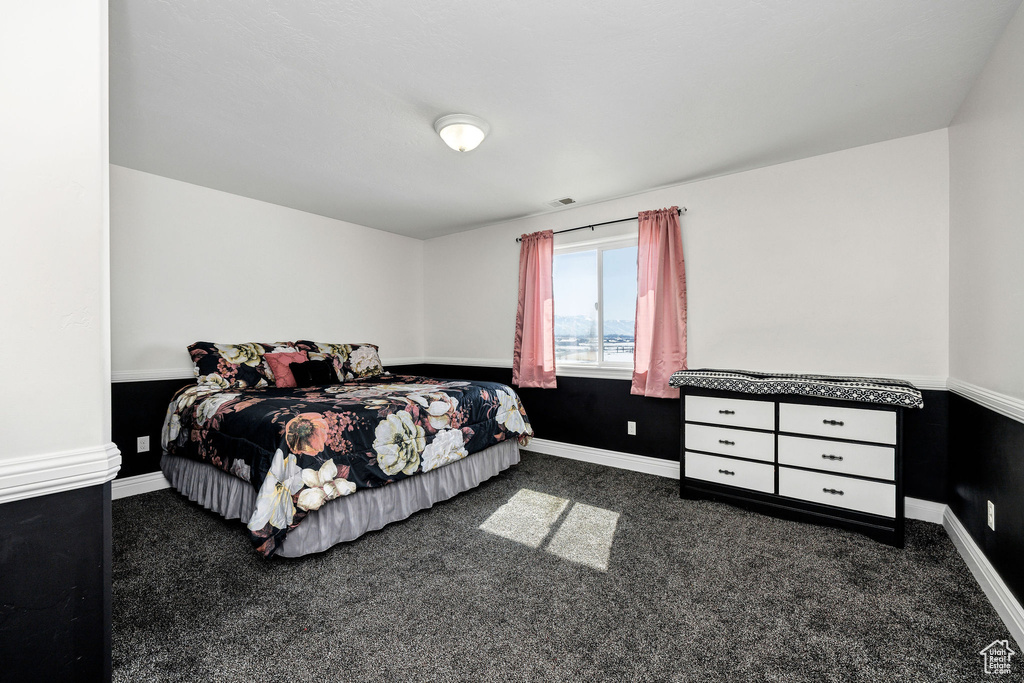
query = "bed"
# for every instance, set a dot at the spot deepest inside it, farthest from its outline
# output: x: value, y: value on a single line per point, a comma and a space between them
x: 308, y: 467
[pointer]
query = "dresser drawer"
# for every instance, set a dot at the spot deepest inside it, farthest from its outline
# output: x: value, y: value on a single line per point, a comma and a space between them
x: 878, y: 462
x: 731, y: 412
x: 865, y: 496
x: 738, y: 442
x: 741, y: 473
x: 841, y: 423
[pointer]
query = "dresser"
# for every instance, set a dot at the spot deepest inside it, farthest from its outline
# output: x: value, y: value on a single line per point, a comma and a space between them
x: 805, y: 447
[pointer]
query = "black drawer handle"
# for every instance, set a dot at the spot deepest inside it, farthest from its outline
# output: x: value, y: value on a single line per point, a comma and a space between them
x: 826, y: 456
x: 727, y: 443
x: 834, y: 423
x: 726, y: 472
x: 835, y: 492
x: 726, y: 412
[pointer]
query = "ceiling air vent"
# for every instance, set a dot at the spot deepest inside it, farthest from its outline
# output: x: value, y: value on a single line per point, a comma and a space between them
x: 564, y: 201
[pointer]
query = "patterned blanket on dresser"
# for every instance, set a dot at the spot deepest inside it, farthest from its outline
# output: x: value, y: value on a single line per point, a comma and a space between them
x: 892, y: 392
x: 302, y: 447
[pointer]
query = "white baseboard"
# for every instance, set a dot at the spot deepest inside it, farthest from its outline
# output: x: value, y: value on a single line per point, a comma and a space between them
x: 1009, y: 609
x: 141, y: 483
x: 923, y: 510
x: 914, y: 508
x: 47, y: 473
x: 600, y: 456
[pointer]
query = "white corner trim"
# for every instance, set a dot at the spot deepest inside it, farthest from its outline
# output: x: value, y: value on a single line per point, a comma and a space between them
x: 151, y: 375
x: 476, y: 362
x: 923, y: 510
x: 142, y: 483
x: 919, y: 381
x: 593, y: 372
x: 1009, y: 609
x: 560, y: 370
x: 189, y: 374
x: 600, y: 456
x: 41, y: 475
x: 1010, y: 406
x: 411, y: 360
x: 929, y: 382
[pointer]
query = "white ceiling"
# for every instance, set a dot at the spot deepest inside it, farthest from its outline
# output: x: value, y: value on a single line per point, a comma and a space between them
x: 329, y: 107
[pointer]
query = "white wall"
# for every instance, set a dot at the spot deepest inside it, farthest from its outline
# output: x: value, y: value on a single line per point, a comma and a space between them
x: 986, y: 149
x: 189, y: 263
x: 834, y: 264
x: 53, y: 265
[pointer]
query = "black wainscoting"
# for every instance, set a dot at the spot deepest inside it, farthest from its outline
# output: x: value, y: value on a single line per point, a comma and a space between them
x: 589, y: 412
x: 55, y: 559
x: 926, y: 448
x: 594, y: 412
x: 986, y: 462
x: 581, y: 411
x: 138, y: 409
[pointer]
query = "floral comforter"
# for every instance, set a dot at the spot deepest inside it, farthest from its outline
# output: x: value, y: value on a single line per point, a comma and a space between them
x: 303, y: 447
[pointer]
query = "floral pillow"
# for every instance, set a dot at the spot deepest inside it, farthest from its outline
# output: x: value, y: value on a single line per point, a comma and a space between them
x: 233, y: 365
x: 350, y: 361
x: 364, y: 361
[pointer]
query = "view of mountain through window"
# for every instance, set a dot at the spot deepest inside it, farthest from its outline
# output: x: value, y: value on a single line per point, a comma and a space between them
x: 595, y: 305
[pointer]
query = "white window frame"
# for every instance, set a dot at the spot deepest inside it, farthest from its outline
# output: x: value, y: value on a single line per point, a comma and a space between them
x: 601, y: 369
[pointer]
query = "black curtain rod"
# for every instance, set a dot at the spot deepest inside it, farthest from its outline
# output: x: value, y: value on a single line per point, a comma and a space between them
x: 597, y: 225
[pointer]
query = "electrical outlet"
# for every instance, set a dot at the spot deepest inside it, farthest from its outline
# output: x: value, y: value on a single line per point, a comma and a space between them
x: 631, y: 428
x: 142, y: 446
x: 991, y: 516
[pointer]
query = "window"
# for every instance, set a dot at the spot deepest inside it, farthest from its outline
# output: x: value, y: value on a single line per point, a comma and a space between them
x: 595, y: 303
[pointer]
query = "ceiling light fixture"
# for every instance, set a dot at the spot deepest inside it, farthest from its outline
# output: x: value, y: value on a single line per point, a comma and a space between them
x: 461, y: 132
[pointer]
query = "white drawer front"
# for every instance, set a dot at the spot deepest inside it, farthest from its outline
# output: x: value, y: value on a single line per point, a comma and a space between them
x: 738, y: 442
x: 747, y: 475
x: 866, y: 496
x: 841, y: 423
x: 731, y: 412
x: 836, y: 456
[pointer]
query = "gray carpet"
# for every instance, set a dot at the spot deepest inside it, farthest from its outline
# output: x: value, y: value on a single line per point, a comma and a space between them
x: 693, y: 591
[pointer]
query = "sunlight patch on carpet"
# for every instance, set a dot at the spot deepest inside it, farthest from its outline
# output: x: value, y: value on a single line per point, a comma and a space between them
x: 526, y: 518
x: 584, y: 536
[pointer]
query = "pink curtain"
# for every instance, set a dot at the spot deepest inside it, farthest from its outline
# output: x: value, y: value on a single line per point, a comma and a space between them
x: 534, y: 362
x: 660, y: 334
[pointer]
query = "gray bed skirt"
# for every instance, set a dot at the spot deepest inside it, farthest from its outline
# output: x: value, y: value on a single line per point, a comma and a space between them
x: 346, y: 518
